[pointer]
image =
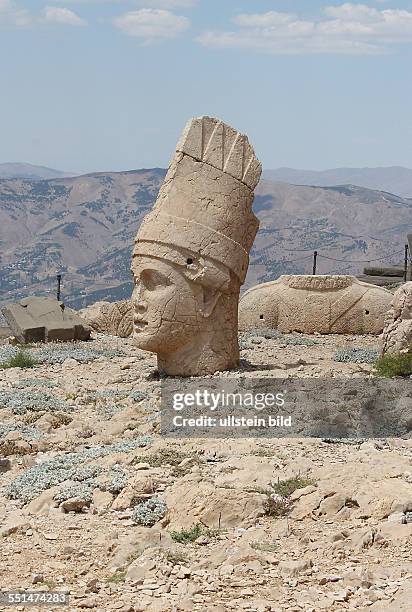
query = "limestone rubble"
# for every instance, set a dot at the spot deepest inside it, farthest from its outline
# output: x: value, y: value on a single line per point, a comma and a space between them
x: 343, y: 544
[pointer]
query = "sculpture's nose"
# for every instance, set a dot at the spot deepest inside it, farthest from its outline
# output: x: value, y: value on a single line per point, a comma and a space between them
x: 140, y: 305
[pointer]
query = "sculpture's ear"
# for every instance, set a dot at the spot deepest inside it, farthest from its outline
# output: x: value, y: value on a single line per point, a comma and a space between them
x: 209, y: 301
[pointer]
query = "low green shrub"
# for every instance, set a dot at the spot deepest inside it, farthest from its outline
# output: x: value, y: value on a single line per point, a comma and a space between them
x: 21, y: 359
x: 397, y: 364
x: 290, y: 485
x: 187, y: 535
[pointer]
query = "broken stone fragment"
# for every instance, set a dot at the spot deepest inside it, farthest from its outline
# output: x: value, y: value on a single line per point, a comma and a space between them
x: 397, y: 517
x: 42, y: 319
x: 113, y: 318
x: 5, y: 465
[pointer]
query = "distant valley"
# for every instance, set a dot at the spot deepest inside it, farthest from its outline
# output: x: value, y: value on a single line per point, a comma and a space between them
x: 84, y: 227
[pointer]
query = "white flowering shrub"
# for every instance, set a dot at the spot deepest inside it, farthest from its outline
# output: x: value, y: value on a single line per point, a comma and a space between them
x: 24, y: 430
x: 58, y: 353
x: 63, y: 467
x: 20, y: 402
x: 7, y: 352
x: 357, y: 355
x: 273, y: 334
x: 138, y: 396
x: 118, y: 480
x: 35, y: 382
x: 55, y: 353
x: 149, y: 512
x: 83, y: 490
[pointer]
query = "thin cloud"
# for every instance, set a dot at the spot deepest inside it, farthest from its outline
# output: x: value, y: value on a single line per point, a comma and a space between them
x: 11, y: 15
x: 64, y: 16
x: 151, y: 25
x: 168, y: 4
x: 345, y: 29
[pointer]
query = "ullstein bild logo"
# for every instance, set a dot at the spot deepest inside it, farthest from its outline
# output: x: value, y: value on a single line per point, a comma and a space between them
x: 232, y: 421
x: 323, y: 408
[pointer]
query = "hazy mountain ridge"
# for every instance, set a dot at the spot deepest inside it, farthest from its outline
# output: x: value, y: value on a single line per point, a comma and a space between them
x: 393, y: 179
x: 84, y: 227
x: 31, y: 172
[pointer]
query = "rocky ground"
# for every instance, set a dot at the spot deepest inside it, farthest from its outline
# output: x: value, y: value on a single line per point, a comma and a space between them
x: 94, y: 502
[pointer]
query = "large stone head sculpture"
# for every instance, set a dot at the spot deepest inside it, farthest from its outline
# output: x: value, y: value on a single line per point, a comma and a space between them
x: 192, y: 252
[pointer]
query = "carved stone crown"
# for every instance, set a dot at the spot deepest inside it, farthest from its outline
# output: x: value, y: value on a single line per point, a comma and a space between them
x: 204, y: 206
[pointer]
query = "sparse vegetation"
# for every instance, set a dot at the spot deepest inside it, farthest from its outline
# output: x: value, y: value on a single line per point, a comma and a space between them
x: 297, y: 341
x: 277, y: 505
x: 117, y: 577
x: 69, y: 466
x: 290, y: 485
x: 397, y: 364
x: 21, y: 359
x: 35, y: 382
x: 264, y: 332
x: 278, y: 502
x: 175, y: 557
x: 165, y: 456
x: 20, y: 402
x: 51, y: 584
x: 265, y: 546
x: 184, y: 536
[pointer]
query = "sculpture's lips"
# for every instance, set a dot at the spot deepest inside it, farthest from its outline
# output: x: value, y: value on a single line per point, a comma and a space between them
x: 139, y: 324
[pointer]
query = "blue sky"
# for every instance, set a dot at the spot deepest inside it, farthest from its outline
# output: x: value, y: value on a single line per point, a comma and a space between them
x: 108, y: 85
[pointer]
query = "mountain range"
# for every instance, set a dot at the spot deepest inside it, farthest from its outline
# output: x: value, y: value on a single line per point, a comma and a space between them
x: 394, y: 179
x: 29, y: 171
x: 84, y: 226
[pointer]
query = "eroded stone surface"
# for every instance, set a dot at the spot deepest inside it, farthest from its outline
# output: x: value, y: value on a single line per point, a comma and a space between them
x: 397, y: 334
x: 325, y: 304
x: 113, y: 318
x: 192, y: 252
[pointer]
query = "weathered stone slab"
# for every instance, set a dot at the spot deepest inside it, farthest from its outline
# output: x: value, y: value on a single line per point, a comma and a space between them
x: 43, y: 319
x: 328, y: 304
x: 380, y: 271
x: 5, y: 332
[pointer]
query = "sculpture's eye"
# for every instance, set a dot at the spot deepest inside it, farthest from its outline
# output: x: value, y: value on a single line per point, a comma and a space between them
x: 152, y: 279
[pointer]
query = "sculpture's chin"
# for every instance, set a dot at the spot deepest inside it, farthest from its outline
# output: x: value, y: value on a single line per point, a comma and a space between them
x: 145, y: 341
